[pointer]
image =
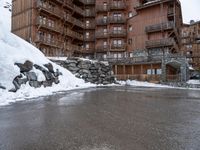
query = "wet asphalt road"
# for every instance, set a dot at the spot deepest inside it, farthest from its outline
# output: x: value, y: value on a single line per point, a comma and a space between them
x: 114, y: 118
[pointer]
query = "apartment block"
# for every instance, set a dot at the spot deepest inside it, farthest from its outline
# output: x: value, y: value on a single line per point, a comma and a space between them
x: 54, y: 26
x: 190, y: 37
x: 140, y: 38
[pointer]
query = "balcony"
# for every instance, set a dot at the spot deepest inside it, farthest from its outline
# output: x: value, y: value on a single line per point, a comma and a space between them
x: 118, y: 5
x: 54, y: 11
x: 101, y: 34
x: 90, y: 38
x: 160, y: 43
x: 89, y: 2
x: 90, y: 26
x: 48, y: 42
x: 197, y: 37
x: 72, y: 47
x: 88, y: 51
x: 170, y: 12
x: 150, y: 4
x: 90, y: 13
x: 70, y: 19
x: 102, y: 21
x: 118, y: 33
x: 41, y: 24
x: 78, y: 10
x: 73, y: 34
x: 102, y: 8
x: 117, y: 19
x: 69, y: 4
x: 118, y: 47
x: 159, y: 27
x: 102, y: 48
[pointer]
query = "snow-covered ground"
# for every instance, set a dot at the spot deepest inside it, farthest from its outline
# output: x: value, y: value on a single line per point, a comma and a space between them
x: 194, y: 82
x: 142, y: 84
x: 14, y: 49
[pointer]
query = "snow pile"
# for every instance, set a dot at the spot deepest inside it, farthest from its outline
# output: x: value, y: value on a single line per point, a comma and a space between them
x: 13, y: 49
x: 142, y: 84
x: 194, y: 82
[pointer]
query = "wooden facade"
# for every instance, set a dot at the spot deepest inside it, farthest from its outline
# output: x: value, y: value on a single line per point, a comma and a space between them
x: 54, y: 26
x: 102, y: 29
x: 190, y: 37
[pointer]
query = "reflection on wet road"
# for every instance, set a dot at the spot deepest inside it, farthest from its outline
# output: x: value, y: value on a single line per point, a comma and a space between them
x: 114, y: 118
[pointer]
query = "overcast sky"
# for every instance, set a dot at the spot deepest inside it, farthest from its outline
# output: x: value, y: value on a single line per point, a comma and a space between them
x: 190, y: 10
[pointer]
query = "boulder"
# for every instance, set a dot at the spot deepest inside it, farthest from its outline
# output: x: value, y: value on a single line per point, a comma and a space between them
x: 2, y: 87
x: 26, y: 67
x: 31, y: 76
x: 49, y: 66
x: 35, y: 84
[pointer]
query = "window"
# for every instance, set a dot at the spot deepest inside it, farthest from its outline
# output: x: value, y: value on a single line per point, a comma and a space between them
x: 105, y: 44
x: 87, y: 46
x: 130, y: 28
x: 105, y: 31
x: 130, y: 14
x: 130, y: 41
x: 87, y: 34
x: 87, y: 23
x: 117, y: 43
x: 159, y: 71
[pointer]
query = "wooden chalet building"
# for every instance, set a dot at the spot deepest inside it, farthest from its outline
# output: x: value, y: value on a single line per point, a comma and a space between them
x: 141, y: 38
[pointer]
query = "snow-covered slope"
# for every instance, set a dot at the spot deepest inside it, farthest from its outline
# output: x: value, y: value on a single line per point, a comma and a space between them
x: 13, y: 49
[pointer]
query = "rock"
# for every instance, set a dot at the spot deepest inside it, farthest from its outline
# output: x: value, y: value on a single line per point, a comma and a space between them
x: 26, y: 67
x: 35, y: 84
x: 31, y: 76
x: 74, y: 69
x: 57, y: 73
x: 46, y: 73
x: 2, y: 87
x: 49, y: 66
x: 71, y: 65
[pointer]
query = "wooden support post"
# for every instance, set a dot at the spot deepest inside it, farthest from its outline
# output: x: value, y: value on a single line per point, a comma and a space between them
x: 132, y: 69
x: 116, y: 70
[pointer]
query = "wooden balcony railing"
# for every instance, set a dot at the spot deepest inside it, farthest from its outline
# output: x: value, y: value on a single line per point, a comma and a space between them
x: 72, y: 47
x: 89, y: 38
x: 55, y: 11
x: 159, y: 27
x: 102, y: 8
x: 89, y: 2
x: 88, y: 50
x: 118, y: 33
x: 117, y: 19
x: 49, y: 41
x: 102, y: 21
x: 90, y: 13
x: 160, y: 43
x: 73, y: 34
x: 170, y: 12
x: 118, y: 5
x: 78, y: 10
x: 101, y: 34
x: 197, y: 37
x: 118, y: 47
x: 147, y: 4
x: 90, y: 26
x: 69, y: 18
x: 102, y: 48
x: 42, y: 24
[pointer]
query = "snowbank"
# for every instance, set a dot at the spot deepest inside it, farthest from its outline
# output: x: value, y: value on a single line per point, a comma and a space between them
x: 143, y: 84
x: 14, y: 49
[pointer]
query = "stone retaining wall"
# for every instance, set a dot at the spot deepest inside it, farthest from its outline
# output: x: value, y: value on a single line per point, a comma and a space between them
x: 97, y: 72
